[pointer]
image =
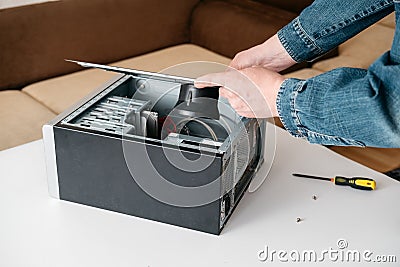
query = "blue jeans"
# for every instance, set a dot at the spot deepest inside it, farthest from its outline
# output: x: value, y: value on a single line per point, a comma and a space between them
x: 345, y: 106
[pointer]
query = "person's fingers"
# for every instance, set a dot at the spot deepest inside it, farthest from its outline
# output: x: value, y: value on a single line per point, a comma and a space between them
x: 227, y: 93
x: 238, y: 103
x: 235, y: 100
x: 212, y: 79
x: 243, y: 109
x: 230, y: 79
x: 241, y: 60
x: 235, y: 63
x: 247, y: 58
x: 199, y: 84
x: 241, y: 106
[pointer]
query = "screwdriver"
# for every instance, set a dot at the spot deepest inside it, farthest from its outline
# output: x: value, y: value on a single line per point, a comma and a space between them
x: 355, y: 182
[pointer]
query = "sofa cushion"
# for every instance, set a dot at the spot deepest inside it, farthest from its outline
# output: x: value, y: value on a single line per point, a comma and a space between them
x: 61, y: 92
x: 21, y: 118
x: 361, y: 50
x: 388, y: 21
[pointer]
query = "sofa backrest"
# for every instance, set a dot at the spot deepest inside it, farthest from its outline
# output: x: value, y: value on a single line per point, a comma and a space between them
x: 229, y: 26
x: 35, y: 39
x: 291, y: 5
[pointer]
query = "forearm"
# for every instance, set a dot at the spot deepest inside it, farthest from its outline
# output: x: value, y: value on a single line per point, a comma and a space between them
x: 327, y: 23
x: 345, y: 106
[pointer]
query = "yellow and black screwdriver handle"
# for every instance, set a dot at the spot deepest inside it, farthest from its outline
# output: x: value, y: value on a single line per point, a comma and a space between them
x: 355, y: 182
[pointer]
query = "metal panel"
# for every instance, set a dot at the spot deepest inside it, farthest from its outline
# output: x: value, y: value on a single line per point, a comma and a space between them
x: 51, y: 161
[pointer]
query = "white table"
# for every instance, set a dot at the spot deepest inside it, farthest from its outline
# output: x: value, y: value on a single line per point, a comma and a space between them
x: 36, y: 230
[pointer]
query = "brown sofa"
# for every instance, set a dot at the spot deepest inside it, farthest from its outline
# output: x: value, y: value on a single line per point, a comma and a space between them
x: 36, y: 83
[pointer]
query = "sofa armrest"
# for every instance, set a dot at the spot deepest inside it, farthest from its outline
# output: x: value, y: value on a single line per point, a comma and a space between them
x: 35, y: 39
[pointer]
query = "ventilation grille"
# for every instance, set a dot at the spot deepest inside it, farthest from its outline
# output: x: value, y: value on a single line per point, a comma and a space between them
x: 235, y: 166
x: 242, y: 154
x: 228, y: 175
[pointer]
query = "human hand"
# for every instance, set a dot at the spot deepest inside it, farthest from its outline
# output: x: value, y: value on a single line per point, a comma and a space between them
x: 252, y: 92
x: 270, y: 55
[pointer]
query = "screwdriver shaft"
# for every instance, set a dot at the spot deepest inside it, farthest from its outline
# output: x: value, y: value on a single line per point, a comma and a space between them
x: 312, y: 177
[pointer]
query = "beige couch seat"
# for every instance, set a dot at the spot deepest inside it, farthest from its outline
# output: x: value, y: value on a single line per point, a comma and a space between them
x: 16, y: 109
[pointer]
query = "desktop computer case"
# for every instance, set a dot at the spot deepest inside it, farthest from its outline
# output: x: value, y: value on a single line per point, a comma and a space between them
x: 86, y: 163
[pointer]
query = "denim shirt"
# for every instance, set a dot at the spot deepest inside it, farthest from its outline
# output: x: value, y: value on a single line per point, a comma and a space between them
x: 345, y: 106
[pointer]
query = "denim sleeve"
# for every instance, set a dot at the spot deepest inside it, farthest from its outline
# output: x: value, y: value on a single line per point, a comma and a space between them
x: 346, y: 106
x: 327, y: 23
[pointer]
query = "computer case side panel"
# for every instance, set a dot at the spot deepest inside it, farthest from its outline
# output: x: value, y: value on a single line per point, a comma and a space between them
x: 92, y: 170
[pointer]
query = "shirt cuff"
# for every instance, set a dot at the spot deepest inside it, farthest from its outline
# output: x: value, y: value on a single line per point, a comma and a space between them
x: 299, y: 45
x: 285, y: 103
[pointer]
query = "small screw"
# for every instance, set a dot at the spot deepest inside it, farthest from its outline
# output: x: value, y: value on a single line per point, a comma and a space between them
x: 298, y: 219
x: 314, y: 197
